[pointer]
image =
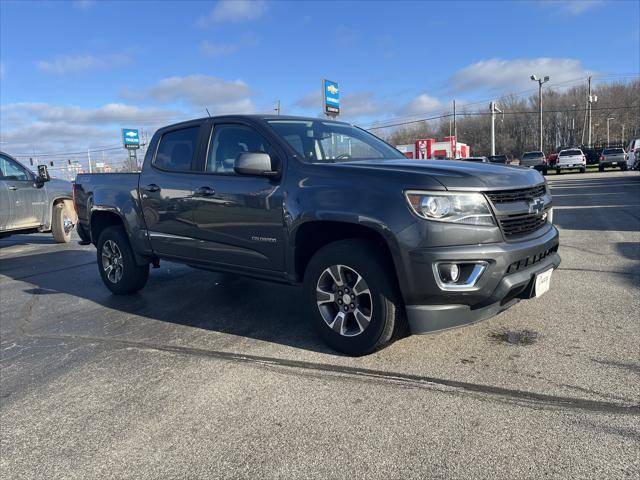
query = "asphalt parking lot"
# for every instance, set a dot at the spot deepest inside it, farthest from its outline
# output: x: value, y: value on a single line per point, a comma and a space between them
x: 208, y: 375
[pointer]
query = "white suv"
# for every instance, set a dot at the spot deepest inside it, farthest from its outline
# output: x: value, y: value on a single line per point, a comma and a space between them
x: 571, y: 159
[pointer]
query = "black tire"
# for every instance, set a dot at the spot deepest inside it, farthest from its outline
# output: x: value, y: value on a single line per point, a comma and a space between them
x: 557, y: 171
x: 132, y: 276
x: 583, y: 170
x: 386, y: 310
x: 545, y: 171
x: 623, y: 168
x: 60, y: 213
x: 601, y: 168
x: 85, y: 237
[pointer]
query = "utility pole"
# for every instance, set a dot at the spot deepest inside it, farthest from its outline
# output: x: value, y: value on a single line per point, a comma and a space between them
x: 591, y: 99
x: 608, y: 118
x: 540, y: 83
x: 622, y: 137
x: 89, y: 158
x: 493, y: 106
x: 277, y: 109
x: 455, y: 132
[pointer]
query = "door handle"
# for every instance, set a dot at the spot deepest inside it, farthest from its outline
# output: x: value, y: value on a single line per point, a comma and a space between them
x: 151, y: 188
x: 204, y: 192
x: 12, y: 187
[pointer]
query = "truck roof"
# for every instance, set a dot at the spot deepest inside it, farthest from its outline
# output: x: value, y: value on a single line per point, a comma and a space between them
x: 256, y: 116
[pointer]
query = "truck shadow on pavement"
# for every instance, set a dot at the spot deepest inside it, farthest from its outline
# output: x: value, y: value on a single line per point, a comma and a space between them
x: 175, y: 294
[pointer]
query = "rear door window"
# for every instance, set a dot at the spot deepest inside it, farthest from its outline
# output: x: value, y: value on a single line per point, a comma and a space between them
x: 176, y: 149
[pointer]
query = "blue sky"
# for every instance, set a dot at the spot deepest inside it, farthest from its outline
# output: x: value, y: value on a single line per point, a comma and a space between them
x: 73, y: 73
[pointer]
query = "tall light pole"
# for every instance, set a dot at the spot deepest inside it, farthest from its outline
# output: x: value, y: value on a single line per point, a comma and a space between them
x: 609, y: 118
x: 622, y: 137
x: 493, y: 106
x: 540, y: 83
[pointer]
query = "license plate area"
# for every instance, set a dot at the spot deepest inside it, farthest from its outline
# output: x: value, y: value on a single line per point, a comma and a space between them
x: 543, y: 281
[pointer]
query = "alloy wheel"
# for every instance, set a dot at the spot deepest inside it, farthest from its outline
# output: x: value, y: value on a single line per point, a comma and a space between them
x: 344, y: 300
x: 112, y: 261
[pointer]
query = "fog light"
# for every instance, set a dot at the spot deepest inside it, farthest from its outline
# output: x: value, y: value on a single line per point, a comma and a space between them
x: 450, y: 272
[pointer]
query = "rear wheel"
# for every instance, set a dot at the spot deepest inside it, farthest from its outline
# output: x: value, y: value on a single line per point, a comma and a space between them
x: 557, y: 171
x: 117, y: 264
x: 61, y: 223
x: 583, y: 169
x: 353, y: 301
x: 601, y: 168
x: 623, y: 167
x: 545, y: 171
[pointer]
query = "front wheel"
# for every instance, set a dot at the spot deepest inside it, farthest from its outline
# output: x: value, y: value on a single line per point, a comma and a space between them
x: 583, y: 170
x: 545, y: 171
x: 352, y: 297
x: 601, y: 168
x: 117, y: 264
x: 557, y: 171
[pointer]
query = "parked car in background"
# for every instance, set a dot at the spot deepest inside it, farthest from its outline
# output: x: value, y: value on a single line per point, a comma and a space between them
x: 504, y: 159
x: 552, y: 158
x: 633, y: 151
x: 475, y: 159
x: 374, y: 238
x: 613, y: 157
x: 536, y: 160
x: 32, y: 202
x: 571, y: 159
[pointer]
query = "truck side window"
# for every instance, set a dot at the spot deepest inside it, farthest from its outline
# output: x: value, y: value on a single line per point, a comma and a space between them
x: 10, y: 170
x: 229, y: 141
x: 176, y: 149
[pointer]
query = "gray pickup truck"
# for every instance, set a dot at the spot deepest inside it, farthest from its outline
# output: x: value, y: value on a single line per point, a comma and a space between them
x: 377, y: 241
x: 32, y: 202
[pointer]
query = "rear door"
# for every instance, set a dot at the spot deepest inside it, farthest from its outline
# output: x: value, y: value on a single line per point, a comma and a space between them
x: 28, y: 202
x: 6, y: 207
x: 238, y: 218
x: 166, y: 190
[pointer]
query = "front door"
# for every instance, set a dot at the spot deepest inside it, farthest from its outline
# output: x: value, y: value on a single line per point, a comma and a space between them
x: 238, y: 218
x: 166, y: 190
x: 28, y: 202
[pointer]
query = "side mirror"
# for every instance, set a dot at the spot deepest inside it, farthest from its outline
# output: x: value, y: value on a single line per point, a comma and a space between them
x: 43, y: 175
x: 259, y: 164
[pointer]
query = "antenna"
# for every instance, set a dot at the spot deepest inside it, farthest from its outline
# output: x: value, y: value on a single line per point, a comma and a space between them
x: 207, y: 111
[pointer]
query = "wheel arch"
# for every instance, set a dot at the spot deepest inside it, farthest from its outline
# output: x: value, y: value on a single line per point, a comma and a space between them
x: 311, y: 236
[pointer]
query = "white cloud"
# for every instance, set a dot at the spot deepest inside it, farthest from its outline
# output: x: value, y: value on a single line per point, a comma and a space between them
x: 234, y: 11
x: 200, y: 91
x: 498, y: 75
x: 365, y: 105
x: 421, y: 104
x: 84, y: 4
x: 63, y: 127
x: 63, y: 64
x: 575, y: 7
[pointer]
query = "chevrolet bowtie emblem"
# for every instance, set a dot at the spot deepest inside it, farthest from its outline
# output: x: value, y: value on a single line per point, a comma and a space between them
x: 536, y: 206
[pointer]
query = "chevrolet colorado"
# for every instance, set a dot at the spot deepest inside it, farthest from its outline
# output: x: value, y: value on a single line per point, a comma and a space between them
x: 376, y: 240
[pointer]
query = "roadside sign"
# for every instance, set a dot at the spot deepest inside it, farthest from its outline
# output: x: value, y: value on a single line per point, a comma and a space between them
x: 331, y: 95
x: 130, y: 138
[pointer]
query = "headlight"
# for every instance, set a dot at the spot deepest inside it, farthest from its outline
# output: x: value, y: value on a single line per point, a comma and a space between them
x: 463, y: 208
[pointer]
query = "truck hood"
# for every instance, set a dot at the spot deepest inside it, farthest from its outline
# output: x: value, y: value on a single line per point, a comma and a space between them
x: 456, y: 175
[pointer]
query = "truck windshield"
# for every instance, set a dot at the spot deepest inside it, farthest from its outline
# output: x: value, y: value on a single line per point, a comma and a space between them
x: 327, y: 141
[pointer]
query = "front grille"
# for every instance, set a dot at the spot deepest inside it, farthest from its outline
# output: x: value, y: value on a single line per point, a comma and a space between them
x: 518, y: 225
x: 522, y: 194
x: 531, y: 260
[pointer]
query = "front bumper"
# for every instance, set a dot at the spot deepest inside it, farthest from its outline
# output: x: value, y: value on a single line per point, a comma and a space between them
x: 508, y: 278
